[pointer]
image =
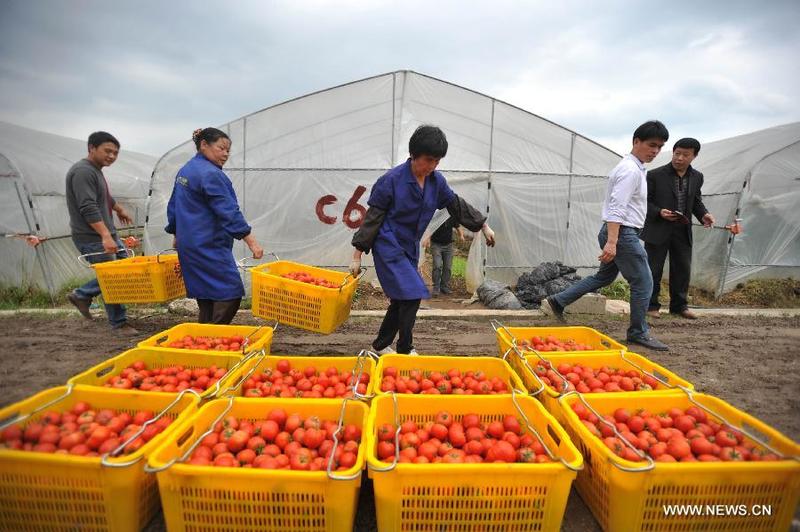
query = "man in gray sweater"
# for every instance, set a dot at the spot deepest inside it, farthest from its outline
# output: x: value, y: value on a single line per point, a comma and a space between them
x: 91, y: 221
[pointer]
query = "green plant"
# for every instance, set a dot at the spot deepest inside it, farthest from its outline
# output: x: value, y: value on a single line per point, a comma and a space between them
x: 619, y: 289
x: 459, y: 267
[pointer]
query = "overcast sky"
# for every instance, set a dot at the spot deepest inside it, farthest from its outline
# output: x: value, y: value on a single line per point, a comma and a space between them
x: 151, y: 72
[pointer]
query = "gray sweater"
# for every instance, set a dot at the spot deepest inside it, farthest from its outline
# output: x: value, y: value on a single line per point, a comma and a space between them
x: 88, y: 202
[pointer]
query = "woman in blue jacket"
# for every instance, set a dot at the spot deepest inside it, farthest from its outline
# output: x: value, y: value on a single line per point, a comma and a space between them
x: 401, y: 205
x: 204, y: 216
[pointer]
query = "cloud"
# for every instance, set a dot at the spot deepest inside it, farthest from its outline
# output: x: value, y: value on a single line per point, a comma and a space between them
x: 156, y: 70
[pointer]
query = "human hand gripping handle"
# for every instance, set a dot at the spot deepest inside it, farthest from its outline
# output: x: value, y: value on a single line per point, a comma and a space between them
x: 355, y: 264
x: 708, y: 220
x: 257, y: 250
x: 488, y: 234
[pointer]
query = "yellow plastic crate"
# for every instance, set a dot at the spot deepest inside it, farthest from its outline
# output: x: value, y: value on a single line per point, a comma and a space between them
x: 302, y: 305
x: 41, y: 491
x: 623, y: 500
x: 623, y: 359
x: 199, y: 498
x: 231, y: 384
x: 157, y: 358
x: 491, y: 366
x: 485, y: 496
x: 146, y: 279
x: 257, y: 337
x: 583, y: 335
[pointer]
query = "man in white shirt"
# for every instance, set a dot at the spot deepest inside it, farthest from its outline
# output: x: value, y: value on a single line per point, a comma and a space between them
x: 624, y: 213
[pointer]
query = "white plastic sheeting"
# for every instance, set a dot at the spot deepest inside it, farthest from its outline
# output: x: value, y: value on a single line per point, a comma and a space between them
x: 33, y: 167
x: 325, y: 150
x: 755, y: 177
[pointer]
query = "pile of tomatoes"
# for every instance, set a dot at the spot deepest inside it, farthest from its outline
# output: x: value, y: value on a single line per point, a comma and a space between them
x: 286, y: 381
x: 304, y: 277
x: 674, y: 436
x: 207, y: 343
x: 467, y: 439
x: 452, y: 381
x: 169, y: 379
x: 281, y: 441
x: 551, y: 343
x: 584, y: 379
x: 83, y: 431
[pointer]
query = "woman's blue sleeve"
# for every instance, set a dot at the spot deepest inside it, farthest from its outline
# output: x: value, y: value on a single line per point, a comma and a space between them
x: 222, y: 200
x: 382, y: 195
x: 170, y: 228
x: 446, y: 194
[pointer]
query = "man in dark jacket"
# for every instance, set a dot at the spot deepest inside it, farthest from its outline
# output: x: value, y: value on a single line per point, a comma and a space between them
x: 673, y: 196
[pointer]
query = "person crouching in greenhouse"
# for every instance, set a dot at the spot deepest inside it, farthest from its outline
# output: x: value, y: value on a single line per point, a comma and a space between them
x: 401, y: 205
x: 204, y: 216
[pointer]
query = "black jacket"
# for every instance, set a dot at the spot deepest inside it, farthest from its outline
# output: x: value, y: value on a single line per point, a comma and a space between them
x: 661, y: 195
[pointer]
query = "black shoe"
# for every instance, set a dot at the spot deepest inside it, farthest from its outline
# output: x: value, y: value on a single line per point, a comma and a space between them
x: 446, y: 292
x: 551, y: 307
x: 650, y: 343
x: 81, y: 304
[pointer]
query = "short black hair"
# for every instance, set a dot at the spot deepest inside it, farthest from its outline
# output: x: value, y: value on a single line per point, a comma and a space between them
x: 688, y: 143
x: 101, y: 137
x: 652, y: 129
x: 428, y: 140
x: 209, y: 134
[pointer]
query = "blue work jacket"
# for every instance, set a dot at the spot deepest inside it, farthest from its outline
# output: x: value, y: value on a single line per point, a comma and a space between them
x: 409, y: 209
x: 204, y: 216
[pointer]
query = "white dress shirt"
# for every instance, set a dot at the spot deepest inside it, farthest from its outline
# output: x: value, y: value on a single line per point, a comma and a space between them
x: 626, y: 195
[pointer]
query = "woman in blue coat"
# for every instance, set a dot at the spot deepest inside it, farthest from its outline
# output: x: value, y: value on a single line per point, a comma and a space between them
x: 401, y: 205
x: 204, y: 216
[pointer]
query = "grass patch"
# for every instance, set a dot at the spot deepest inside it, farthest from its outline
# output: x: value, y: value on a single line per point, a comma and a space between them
x: 619, y: 289
x: 29, y: 296
x: 459, y: 268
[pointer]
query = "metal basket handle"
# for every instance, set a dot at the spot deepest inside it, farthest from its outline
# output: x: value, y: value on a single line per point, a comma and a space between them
x: 104, y: 459
x: 190, y: 450
x: 553, y: 456
x: 247, y: 338
x: 164, y: 252
x: 361, y: 273
x: 358, y: 370
x: 82, y: 258
x: 19, y: 418
x: 650, y: 462
x: 242, y: 263
x: 240, y: 362
x: 525, y: 363
x: 339, y: 429
x: 744, y: 431
x: 260, y: 355
x: 396, y: 439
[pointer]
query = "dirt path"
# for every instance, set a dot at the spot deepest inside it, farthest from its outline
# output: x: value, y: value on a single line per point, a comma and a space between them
x: 753, y: 363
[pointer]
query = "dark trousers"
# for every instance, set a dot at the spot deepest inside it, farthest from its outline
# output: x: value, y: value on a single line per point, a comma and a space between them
x: 218, y: 312
x: 400, y: 317
x: 680, y: 269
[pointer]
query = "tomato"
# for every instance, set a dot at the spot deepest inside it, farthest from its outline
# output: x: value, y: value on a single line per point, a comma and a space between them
x: 265, y: 462
x: 725, y: 438
x: 238, y: 441
x: 685, y: 423
x: 268, y: 430
x: 622, y: 415
x: 636, y: 424
x: 730, y: 454
x: 246, y: 456
x: 313, y: 438
x: 701, y: 445
x: 495, y: 429
x: 444, y: 418
x: 351, y: 433
x: 678, y: 447
x: 226, y: 460
x: 502, y: 451
x: 385, y: 450
x: 511, y: 424
x: 301, y: 460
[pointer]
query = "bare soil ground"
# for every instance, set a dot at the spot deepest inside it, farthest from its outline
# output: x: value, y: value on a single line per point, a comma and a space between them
x: 750, y: 362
